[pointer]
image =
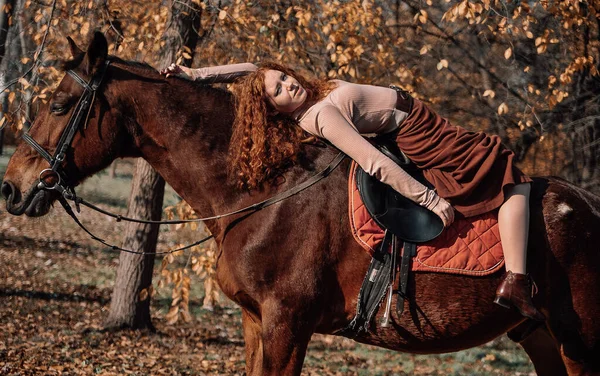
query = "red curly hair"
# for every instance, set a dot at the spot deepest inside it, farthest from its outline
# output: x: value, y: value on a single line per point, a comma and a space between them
x: 265, y: 143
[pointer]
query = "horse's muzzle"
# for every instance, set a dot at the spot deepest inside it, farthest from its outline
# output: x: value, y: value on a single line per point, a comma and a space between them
x: 35, y: 203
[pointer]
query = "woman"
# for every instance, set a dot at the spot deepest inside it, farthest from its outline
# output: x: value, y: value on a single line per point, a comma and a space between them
x: 472, y: 171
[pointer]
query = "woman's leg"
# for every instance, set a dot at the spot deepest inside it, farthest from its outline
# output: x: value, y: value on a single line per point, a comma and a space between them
x: 513, y: 221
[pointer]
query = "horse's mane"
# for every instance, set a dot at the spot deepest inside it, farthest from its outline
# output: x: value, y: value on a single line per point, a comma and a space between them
x: 145, y: 70
x: 138, y: 66
x: 148, y: 71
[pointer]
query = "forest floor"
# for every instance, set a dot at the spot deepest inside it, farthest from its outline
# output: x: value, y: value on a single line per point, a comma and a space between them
x: 55, y: 288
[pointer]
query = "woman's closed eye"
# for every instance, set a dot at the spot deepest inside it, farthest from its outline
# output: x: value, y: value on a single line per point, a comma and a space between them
x: 278, y: 89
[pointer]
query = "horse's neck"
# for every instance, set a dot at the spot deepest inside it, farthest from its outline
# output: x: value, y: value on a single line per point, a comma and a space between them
x: 184, y: 135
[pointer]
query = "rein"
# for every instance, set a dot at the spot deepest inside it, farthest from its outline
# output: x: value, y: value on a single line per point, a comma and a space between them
x: 55, y: 178
x: 66, y: 195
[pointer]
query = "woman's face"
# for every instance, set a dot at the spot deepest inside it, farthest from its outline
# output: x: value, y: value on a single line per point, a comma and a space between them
x: 284, y: 93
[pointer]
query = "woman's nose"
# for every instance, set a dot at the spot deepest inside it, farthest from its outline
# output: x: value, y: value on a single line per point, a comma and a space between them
x: 291, y: 86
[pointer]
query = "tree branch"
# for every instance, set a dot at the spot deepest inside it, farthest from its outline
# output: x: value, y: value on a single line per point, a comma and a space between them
x: 41, y: 47
x: 472, y: 58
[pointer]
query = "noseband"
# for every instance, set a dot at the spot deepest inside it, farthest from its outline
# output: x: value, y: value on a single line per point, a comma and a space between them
x: 55, y: 178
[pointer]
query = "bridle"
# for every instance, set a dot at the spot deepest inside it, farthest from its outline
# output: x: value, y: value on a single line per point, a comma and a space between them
x: 56, y: 179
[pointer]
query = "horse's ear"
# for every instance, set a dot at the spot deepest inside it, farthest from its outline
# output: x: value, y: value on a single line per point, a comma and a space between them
x: 75, y: 50
x: 96, y: 53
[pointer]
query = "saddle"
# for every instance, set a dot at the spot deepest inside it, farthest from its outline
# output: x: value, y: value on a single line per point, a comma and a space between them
x: 405, y: 223
x: 407, y: 220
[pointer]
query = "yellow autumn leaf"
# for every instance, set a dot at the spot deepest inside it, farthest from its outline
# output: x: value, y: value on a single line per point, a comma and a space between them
x: 24, y: 82
x: 222, y: 15
x: 442, y: 64
x: 502, y: 109
x: 538, y: 41
x: 424, y: 50
x: 185, y: 315
x: 172, y: 315
x: 508, y: 53
x: 290, y: 36
x: 489, y: 93
x: 541, y: 48
x: 85, y: 28
x: 462, y: 8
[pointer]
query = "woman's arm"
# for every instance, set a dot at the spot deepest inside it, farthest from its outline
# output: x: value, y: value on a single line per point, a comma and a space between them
x: 335, y: 128
x: 220, y: 73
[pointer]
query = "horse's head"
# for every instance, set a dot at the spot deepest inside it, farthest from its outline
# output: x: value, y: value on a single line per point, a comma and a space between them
x: 41, y: 162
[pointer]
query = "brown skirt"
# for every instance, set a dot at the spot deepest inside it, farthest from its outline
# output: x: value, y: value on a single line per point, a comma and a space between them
x: 469, y: 169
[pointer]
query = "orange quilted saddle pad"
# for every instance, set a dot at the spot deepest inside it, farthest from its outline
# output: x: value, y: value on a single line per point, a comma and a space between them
x: 470, y: 246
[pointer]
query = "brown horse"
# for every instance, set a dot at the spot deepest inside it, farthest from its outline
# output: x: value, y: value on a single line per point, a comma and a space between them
x: 294, y: 267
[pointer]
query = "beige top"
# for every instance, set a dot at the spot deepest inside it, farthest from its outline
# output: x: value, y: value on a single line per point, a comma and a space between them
x: 346, y: 113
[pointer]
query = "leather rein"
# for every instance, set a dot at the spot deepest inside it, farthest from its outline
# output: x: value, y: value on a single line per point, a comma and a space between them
x: 56, y: 179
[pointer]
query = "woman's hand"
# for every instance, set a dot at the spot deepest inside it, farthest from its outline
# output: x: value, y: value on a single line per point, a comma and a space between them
x: 445, y: 211
x: 178, y: 71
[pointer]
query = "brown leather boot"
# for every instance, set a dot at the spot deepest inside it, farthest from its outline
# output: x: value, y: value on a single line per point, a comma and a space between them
x: 516, y: 290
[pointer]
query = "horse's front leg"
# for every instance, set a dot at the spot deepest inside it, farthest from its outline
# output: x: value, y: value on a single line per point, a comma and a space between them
x: 276, y: 345
x: 253, y: 343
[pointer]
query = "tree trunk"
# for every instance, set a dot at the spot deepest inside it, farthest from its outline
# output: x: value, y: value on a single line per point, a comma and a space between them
x: 7, y: 9
x: 6, y: 12
x: 135, y: 271
x: 127, y: 309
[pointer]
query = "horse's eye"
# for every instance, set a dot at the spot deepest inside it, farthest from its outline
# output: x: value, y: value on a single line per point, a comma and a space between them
x: 58, y: 108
